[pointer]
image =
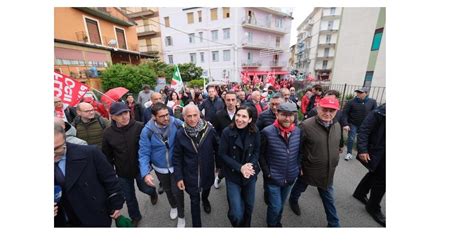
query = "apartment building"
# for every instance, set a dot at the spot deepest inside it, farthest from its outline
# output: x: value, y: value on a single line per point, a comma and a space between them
x: 148, y: 29
x: 226, y: 41
x: 87, y: 39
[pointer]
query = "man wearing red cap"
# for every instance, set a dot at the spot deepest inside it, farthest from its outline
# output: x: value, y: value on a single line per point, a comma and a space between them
x: 320, y: 156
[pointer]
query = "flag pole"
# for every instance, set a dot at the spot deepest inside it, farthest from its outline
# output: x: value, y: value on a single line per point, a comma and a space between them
x: 103, y: 94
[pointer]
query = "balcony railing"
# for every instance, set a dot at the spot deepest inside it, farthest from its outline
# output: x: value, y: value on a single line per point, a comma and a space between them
x: 139, y: 13
x: 145, y: 30
x: 149, y: 49
x: 268, y: 26
x: 278, y: 64
x: 251, y: 64
x: 265, y: 44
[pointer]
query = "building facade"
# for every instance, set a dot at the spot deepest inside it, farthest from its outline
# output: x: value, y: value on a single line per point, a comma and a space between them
x: 148, y: 30
x: 87, y: 39
x: 226, y: 41
x: 316, y: 43
x: 360, y: 56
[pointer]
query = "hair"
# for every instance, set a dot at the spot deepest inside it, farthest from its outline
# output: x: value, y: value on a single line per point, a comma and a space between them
x: 251, y: 125
x: 332, y: 92
x: 58, y: 129
x: 189, y: 106
x: 211, y: 86
x: 271, y: 88
x: 318, y: 87
x: 276, y: 96
x: 145, y: 86
x: 231, y: 92
x: 171, y: 95
x: 158, y: 107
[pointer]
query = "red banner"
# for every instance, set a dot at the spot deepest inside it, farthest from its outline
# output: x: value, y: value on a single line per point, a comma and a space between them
x: 68, y: 90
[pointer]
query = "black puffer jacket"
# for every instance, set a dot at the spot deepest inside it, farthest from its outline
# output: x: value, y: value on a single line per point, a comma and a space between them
x: 371, y: 137
x: 120, y: 146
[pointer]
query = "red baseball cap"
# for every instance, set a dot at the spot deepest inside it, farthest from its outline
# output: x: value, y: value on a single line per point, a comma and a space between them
x: 329, y: 102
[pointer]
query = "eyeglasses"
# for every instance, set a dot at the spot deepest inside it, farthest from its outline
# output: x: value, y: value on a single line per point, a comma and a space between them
x: 163, y: 116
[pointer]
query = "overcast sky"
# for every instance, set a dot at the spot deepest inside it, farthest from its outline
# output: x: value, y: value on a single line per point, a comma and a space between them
x: 299, y: 14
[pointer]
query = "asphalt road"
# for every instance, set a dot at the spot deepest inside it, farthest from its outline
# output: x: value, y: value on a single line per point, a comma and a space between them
x: 351, y: 212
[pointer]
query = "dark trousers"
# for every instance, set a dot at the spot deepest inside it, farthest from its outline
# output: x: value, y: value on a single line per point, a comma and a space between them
x: 175, y: 196
x: 195, y: 197
x: 375, y: 183
x: 128, y: 188
x: 299, y: 187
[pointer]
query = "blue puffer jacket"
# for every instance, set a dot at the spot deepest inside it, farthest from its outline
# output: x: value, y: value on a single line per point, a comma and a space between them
x: 279, y: 160
x: 153, y: 149
x: 193, y: 163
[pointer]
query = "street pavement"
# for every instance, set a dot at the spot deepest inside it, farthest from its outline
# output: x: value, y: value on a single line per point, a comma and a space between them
x: 351, y: 212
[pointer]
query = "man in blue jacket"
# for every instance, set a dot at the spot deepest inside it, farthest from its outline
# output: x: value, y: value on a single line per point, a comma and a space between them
x: 194, y: 156
x: 279, y: 159
x: 157, y: 142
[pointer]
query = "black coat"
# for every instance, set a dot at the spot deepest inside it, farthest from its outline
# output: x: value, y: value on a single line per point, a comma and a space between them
x: 221, y: 121
x: 356, y: 110
x: 265, y: 118
x: 211, y: 107
x: 371, y: 137
x: 235, y: 152
x: 193, y: 163
x: 91, y: 187
x: 120, y: 146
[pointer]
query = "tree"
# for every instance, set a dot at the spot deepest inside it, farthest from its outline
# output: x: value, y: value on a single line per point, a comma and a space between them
x: 131, y: 77
x: 189, y: 71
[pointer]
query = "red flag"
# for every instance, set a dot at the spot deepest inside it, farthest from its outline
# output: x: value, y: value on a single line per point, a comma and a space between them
x: 68, y: 90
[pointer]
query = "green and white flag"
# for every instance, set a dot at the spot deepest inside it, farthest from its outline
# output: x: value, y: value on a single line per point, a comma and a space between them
x: 176, y: 81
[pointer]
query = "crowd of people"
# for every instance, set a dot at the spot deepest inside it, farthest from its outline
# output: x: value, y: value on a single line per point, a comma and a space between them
x: 194, y: 139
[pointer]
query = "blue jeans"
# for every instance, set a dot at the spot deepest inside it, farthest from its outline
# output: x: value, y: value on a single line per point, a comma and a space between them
x: 241, y: 200
x: 327, y: 196
x: 350, y: 138
x: 128, y: 188
x: 276, y: 200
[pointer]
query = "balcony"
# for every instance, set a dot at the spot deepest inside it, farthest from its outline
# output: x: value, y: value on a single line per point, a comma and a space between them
x: 150, y: 49
x: 325, y: 55
x: 327, y: 44
x: 147, y: 30
x: 275, y: 64
x: 142, y: 13
x: 261, y: 45
x: 328, y: 30
x: 329, y: 16
x: 275, y: 11
x: 263, y: 26
x: 104, y: 14
x: 250, y: 64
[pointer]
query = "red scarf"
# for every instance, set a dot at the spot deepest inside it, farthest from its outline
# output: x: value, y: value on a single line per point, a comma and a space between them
x: 284, y: 131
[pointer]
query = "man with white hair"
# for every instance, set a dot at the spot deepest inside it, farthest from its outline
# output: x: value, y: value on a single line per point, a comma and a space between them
x: 255, y: 104
x: 194, y: 158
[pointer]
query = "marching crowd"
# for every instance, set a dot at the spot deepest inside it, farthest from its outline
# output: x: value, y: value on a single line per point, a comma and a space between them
x: 194, y: 140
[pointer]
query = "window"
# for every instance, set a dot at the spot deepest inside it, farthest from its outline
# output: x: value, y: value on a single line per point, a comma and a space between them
x: 328, y: 38
x: 226, y: 55
x: 213, y: 14
x: 330, y: 24
x: 377, y: 39
x: 202, y: 56
x: 279, y: 22
x: 333, y: 11
x: 226, y: 33
x: 170, y: 59
x: 326, y: 52
x: 215, y: 35
x: 191, y: 38
x: 368, y: 78
x: 192, y: 58
x: 200, y: 37
x: 199, y: 16
x: 277, y: 42
x: 215, y: 56
x: 225, y: 12
x: 325, y: 64
x: 249, y: 57
x: 249, y: 36
x: 168, y: 41
x: 93, y: 29
x: 167, y: 22
x: 190, y: 18
x: 121, y: 38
